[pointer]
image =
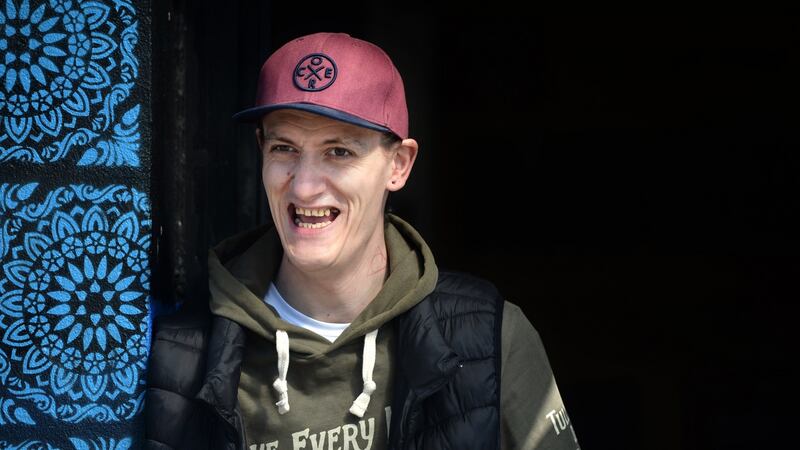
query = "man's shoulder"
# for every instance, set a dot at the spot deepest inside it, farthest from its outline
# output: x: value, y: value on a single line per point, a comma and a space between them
x: 461, y: 284
x: 176, y: 372
x: 459, y: 293
x: 188, y: 326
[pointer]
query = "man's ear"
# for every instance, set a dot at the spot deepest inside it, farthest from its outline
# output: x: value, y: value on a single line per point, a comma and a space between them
x: 402, y: 161
x: 259, y: 136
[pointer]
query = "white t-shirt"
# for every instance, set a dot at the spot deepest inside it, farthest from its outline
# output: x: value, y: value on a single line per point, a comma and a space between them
x: 328, y: 330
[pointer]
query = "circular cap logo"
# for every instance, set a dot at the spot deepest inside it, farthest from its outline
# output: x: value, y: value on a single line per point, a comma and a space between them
x: 315, y: 72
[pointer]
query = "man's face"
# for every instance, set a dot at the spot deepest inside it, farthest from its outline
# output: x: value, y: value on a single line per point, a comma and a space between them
x: 326, y: 182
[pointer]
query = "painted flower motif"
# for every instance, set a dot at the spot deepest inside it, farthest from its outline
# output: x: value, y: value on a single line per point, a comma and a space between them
x: 65, y: 65
x: 47, y: 67
x: 34, y: 53
x: 78, y: 443
x: 80, y: 303
x: 95, y: 325
x: 100, y: 443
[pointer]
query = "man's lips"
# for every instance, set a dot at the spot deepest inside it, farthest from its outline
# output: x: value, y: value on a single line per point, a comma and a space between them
x: 312, y: 217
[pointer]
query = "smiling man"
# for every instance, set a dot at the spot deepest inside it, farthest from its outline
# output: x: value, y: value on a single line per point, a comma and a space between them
x: 332, y: 327
x: 327, y: 182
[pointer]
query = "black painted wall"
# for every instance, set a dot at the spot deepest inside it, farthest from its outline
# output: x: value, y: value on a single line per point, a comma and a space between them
x: 630, y: 182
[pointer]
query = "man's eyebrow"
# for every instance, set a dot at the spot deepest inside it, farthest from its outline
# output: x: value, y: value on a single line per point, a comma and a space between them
x: 346, y: 141
x: 353, y: 142
x: 270, y: 136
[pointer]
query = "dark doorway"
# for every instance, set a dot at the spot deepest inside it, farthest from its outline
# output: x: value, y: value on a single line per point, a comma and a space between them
x: 630, y: 182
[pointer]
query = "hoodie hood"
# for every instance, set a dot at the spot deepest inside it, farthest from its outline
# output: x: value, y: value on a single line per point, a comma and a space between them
x: 242, y: 267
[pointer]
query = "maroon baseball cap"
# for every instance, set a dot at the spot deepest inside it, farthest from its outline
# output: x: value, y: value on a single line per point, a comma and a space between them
x: 334, y: 75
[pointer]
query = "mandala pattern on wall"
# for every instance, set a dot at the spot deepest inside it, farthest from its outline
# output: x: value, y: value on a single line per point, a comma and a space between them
x: 74, y: 303
x: 77, y: 444
x: 66, y: 75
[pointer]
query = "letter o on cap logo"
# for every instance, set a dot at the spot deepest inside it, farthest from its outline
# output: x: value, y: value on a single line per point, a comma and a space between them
x: 315, y: 72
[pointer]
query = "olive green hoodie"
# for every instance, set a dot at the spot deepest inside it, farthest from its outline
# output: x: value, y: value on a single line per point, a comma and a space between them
x: 325, y: 378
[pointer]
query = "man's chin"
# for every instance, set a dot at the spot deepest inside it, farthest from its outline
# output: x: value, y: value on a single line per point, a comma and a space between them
x: 307, y: 261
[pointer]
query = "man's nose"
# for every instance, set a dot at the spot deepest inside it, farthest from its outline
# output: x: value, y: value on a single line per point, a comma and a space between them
x: 308, y: 179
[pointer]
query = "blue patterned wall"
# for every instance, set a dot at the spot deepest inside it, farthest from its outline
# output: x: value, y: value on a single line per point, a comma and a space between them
x: 68, y: 68
x: 75, y: 224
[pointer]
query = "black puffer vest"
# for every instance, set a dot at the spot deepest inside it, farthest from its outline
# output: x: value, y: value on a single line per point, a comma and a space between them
x: 446, y: 392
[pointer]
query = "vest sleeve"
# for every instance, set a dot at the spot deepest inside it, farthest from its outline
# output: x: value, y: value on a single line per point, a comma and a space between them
x: 533, y: 416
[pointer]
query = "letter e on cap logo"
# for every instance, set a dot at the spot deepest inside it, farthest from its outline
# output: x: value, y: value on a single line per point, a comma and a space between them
x: 315, y: 72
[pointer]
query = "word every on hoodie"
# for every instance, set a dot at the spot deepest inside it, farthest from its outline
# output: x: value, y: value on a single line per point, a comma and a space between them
x: 346, y: 437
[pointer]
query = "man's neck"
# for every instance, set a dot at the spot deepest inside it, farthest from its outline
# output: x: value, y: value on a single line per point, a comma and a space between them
x: 339, y: 294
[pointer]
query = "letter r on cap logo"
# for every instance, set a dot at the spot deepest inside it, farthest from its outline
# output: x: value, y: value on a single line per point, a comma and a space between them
x: 315, y: 72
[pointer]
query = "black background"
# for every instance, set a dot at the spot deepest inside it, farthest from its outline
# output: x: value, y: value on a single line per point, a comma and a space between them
x: 630, y: 182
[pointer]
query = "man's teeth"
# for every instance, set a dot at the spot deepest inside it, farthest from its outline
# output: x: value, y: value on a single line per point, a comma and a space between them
x: 325, y: 213
x: 311, y: 225
x: 312, y: 212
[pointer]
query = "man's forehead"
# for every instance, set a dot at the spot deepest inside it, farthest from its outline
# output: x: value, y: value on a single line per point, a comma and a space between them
x: 294, y: 124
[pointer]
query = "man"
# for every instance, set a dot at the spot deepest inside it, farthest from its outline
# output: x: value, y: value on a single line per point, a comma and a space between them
x: 332, y: 327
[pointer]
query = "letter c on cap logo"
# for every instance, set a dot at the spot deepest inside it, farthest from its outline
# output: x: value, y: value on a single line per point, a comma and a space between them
x: 315, y: 72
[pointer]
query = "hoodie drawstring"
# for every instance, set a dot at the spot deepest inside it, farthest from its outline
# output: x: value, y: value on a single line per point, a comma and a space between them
x: 282, y: 346
x: 360, y: 404
x: 368, y: 364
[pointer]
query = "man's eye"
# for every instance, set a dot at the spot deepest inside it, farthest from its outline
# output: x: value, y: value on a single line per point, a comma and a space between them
x: 281, y: 148
x: 340, y: 152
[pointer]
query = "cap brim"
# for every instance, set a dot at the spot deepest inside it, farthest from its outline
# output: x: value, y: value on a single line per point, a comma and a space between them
x: 253, y: 114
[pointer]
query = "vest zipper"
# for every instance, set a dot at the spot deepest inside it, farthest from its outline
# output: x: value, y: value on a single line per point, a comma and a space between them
x: 241, y: 429
x: 231, y: 433
x: 413, y: 399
